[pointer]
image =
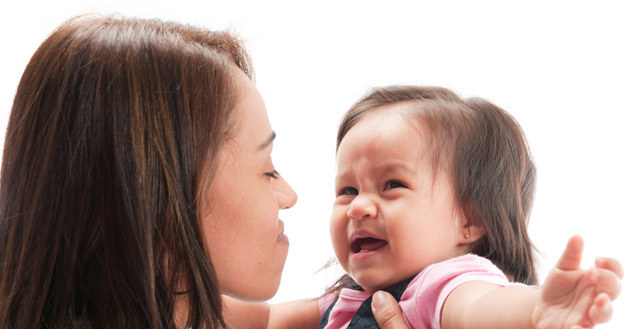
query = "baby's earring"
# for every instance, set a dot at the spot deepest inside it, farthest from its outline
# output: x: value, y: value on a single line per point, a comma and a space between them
x: 467, y: 236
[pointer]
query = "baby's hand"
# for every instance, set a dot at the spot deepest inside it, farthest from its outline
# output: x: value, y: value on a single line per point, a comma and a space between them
x: 574, y: 298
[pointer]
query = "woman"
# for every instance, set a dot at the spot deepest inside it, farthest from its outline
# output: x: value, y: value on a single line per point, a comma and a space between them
x: 132, y: 153
x: 137, y: 183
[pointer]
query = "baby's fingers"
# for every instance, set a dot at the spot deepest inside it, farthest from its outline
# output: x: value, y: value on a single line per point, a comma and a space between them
x: 611, y: 265
x: 606, y: 281
x: 570, y: 259
x: 601, y: 310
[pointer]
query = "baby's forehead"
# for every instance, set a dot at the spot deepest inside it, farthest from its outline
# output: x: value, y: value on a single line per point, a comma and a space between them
x: 397, y: 116
x: 385, y: 130
x: 437, y: 142
x: 383, y: 136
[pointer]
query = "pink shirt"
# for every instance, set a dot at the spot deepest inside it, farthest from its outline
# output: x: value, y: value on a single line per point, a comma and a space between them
x: 424, y: 297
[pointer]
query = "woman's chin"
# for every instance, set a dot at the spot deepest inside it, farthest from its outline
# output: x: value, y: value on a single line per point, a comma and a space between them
x: 253, y: 296
x: 255, y: 289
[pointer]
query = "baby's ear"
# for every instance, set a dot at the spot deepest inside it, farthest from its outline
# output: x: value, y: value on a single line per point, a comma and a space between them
x: 471, y: 229
x: 472, y: 233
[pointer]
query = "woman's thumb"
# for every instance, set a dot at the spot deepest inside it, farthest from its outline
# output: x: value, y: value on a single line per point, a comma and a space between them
x: 387, y: 311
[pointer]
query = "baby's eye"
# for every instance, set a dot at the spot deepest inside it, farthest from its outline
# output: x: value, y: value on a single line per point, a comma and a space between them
x: 348, y: 191
x: 272, y: 174
x: 392, y: 184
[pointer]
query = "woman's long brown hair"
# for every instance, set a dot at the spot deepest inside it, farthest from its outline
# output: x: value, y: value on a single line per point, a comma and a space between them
x: 114, y: 133
x: 484, y: 151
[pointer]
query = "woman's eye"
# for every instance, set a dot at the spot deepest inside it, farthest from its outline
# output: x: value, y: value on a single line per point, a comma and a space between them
x: 348, y: 191
x: 392, y: 184
x: 272, y: 174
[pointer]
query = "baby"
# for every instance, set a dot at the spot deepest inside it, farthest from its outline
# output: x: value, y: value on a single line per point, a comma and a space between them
x: 433, y: 194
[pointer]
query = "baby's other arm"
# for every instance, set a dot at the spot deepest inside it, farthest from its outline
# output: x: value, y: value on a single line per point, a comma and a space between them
x: 570, y: 298
x: 300, y: 314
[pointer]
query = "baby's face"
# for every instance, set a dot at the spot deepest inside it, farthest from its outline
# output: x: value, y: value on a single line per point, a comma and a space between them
x: 391, y: 217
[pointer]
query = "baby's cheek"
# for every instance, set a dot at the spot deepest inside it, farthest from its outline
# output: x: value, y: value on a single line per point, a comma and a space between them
x: 339, y: 240
x: 407, y: 251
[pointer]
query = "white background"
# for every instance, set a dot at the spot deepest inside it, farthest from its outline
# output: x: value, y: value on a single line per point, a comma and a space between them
x: 558, y: 67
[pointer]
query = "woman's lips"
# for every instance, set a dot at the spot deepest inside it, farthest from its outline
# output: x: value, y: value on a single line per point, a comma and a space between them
x: 281, y: 237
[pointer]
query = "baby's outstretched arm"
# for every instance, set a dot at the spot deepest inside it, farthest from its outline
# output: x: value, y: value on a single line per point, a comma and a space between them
x: 575, y: 298
x: 571, y: 298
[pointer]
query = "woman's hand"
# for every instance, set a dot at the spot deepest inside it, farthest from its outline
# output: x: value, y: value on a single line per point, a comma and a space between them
x: 575, y: 298
x: 387, y: 311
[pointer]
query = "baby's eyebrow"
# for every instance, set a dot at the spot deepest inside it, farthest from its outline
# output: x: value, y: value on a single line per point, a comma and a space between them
x: 268, y: 141
x: 395, y: 167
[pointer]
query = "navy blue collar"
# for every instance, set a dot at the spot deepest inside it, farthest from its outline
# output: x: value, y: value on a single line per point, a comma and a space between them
x: 364, y: 318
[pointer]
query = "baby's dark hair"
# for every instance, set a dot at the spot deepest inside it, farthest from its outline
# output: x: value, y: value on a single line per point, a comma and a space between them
x: 484, y: 152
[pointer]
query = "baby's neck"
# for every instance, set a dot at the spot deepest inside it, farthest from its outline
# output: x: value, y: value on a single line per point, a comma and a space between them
x: 401, y: 285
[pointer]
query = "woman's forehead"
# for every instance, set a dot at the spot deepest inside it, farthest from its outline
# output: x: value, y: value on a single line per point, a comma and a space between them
x: 253, y: 126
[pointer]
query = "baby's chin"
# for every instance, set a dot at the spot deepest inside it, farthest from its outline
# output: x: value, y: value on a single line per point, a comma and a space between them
x: 375, y: 284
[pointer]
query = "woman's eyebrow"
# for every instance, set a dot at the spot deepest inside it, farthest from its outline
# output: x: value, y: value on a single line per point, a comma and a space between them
x: 268, y: 141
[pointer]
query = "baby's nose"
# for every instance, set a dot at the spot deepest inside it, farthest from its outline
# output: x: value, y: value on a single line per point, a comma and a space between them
x: 362, y: 207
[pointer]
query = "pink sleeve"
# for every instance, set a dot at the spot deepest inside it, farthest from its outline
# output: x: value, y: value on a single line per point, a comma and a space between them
x: 424, y: 297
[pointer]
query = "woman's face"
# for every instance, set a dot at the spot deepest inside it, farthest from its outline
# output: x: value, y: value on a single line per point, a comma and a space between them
x: 240, y: 213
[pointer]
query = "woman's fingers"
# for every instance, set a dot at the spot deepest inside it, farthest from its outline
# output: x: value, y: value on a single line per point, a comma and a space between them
x: 387, y: 311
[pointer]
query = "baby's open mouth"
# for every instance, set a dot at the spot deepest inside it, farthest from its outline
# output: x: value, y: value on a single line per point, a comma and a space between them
x: 367, y: 244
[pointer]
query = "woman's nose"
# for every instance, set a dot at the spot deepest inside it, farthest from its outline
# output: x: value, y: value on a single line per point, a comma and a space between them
x: 362, y: 207
x: 286, y: 196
